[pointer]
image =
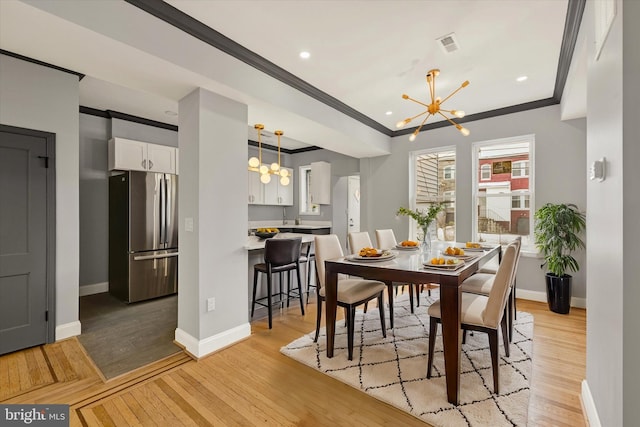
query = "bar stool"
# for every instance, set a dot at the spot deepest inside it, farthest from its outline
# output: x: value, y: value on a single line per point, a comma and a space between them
x: 280, y: 255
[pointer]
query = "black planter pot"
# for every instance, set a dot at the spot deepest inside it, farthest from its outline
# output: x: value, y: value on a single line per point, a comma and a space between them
x: 559, y: 293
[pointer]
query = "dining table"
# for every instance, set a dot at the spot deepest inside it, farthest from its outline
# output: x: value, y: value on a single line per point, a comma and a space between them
x: 414, y: 266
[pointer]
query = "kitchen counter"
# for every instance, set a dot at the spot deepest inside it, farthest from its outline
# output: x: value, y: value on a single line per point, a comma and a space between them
x: 254, y: 242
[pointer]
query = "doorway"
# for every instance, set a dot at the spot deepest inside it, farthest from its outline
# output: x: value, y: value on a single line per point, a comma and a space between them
x: 346, y: 208
x: 27, y: 238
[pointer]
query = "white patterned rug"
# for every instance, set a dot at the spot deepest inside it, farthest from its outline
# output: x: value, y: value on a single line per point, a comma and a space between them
x: 393, y: 369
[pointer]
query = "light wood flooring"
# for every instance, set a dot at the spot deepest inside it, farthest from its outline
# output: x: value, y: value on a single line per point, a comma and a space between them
x: 251, y: 383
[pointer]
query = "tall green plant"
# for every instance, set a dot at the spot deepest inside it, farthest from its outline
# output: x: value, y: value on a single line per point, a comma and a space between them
x: 557, y: 235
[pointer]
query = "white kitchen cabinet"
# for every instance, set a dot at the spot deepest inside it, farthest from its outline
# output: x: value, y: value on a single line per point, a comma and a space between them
x: 320, y: 188
x: 127, y: 154
x: 256, y: 192
x: 273, y: 193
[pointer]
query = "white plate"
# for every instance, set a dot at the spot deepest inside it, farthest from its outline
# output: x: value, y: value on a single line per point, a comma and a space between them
x: 455, y: 266
x: 385, y: 257
x: 407, y: 248
x: 480, y: 249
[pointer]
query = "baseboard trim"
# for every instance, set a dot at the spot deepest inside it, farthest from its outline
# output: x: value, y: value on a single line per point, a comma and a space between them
x: 94, y: 288
x: 68, y: 330
x: 589, y: 406
x: 200, y: 348
x: 542, y: 297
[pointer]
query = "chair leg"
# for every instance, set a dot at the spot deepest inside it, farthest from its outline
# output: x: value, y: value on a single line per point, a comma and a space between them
x: 511, y: 306
x: 351, y: 314
x: 288, y: 285
x: 366, y: 304
x: 300, y: 295
x: 318, y: 318
x: 464, y: 336
x: 381, y: 308
x: 255, y: 285
x: 418, y: 290
x: 269, y: 297
x: 411, y: 297
x: 493, y: 347
x: 390, y: 292
x: 505, y: 335
x: 433, y: 329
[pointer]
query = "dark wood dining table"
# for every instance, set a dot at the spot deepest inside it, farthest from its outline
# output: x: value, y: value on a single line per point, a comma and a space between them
x: 407, y: 267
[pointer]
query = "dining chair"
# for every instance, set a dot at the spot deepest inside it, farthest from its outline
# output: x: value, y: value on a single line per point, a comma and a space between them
x: 482, y: 313
x: 359, y: 240
x: 386, y: 239
x: 482, y: 282
x: 352, y: 292
x: 280, y: 256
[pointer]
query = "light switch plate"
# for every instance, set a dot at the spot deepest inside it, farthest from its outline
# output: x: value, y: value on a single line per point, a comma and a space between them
x: 188, y: 224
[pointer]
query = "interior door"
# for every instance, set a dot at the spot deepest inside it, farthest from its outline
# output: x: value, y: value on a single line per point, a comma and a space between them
x: 23, y: 240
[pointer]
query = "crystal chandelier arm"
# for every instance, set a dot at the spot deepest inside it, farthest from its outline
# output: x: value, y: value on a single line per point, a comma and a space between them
x: 465, y: 84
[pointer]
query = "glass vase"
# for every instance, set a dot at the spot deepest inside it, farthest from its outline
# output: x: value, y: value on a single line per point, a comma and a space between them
x: 425, y: 244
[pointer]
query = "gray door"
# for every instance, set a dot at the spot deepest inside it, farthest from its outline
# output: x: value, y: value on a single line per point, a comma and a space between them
x: 23, y: 240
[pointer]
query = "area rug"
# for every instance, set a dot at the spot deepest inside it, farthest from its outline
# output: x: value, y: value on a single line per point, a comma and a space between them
x: 393, y: 369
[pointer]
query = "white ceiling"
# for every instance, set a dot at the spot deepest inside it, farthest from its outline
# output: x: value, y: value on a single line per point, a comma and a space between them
x: 366, y: 54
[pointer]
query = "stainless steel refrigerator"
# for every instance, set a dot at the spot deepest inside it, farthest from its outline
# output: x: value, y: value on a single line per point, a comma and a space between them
x: 143, y: 235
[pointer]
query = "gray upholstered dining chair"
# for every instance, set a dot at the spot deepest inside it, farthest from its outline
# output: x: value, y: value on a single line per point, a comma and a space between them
x: 352, y: 292
x: 386, y: 239
x: 482, y: 313
x: 482, y: 283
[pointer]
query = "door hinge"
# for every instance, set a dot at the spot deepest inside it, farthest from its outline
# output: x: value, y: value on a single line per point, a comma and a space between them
x: 46, y: 316
x: 46, y: 161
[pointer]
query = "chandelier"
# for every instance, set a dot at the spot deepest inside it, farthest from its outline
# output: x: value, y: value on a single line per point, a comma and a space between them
x: 434, y: 107
x: 255, y: 163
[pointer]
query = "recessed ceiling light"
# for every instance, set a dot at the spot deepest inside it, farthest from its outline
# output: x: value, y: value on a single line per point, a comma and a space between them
x: 304, y: 54
x: 171, y: 113
x: 522, y: 78
x: 388, y: 113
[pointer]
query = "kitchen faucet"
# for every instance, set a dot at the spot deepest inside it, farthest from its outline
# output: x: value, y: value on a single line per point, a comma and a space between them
x: 284, y: 216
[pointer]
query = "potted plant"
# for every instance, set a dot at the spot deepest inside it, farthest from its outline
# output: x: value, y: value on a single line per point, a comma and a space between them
x: 557, y: 234
x: 424, y: 220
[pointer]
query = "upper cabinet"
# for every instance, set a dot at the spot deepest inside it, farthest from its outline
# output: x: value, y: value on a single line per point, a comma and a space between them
x: 272, y: 193
x: 320, y: 188
x: 127, y: 154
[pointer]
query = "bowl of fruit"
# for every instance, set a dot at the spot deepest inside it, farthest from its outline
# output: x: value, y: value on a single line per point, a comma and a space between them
x: 265, y: 233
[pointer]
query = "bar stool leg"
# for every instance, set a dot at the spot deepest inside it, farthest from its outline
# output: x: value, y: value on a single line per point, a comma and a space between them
x: 269, y: 298
x: 255, y: 284
x: 300, y: 289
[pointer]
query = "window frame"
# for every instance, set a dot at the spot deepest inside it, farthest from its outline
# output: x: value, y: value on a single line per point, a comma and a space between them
x: 303, y: 191
x: 413, y: 156
x: 527, y: 167
x: 482, y: 169
x: 528, y: 242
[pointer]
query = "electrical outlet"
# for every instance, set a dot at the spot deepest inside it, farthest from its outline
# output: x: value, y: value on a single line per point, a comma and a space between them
x: 211, y: 304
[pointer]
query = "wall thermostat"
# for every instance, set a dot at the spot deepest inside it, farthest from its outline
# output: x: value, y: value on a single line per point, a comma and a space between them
x: 597, y: 170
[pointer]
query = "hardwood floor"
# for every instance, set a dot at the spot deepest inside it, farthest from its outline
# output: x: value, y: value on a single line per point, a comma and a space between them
x: 251, y: 383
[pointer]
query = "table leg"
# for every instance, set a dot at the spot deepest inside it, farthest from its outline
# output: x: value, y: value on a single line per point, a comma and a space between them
x: 451, y: 338
x: 331, y: 304
x: 390, y: 292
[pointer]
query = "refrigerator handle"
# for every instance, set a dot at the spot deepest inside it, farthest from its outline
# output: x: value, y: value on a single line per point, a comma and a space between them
x: 168, y: 220
x: 163, y: 211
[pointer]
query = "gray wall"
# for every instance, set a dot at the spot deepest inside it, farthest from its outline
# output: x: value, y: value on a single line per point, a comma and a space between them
x: 95, y: 132
x: 40, y: 98
x: 613, y: 348
x: 560, y: 176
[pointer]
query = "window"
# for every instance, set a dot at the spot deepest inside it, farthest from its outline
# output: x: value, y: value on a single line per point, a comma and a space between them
x: 450, y: 172
x: 306, y: 207
x: 485, y: 172
x: 520, y: 169
x: 432, y: 178
x: 503, y: 202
